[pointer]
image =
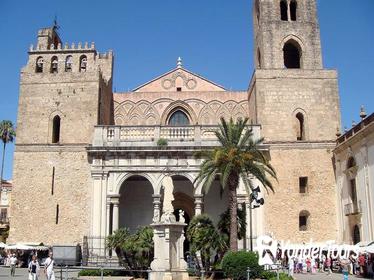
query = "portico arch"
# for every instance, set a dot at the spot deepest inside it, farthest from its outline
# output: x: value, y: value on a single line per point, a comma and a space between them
x: 135, y: 202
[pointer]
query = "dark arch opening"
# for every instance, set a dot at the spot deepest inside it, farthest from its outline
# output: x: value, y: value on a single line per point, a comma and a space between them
x: 351, y: 162
x: 56, y: 129
x: 178, y: 117
x: 54, y: 64
x: 300, y: 127
x: 293, y: 10
x: 304, y: 220
x: 283, y: 10
x: 68, y: 63
x: 292, y: 54
x: 83, y: 63
x: 356, y: 235
x: 135, y: 203
x: 39, y: 65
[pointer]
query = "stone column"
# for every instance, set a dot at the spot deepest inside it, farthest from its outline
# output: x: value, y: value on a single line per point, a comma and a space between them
x: 156, y: 208
x: 115, y: 202
x: 248, y: 222
x: 198, y: 204
x: 108, y: 218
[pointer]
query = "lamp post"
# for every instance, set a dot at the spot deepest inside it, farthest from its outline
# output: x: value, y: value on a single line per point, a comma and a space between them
x: 253, y: 198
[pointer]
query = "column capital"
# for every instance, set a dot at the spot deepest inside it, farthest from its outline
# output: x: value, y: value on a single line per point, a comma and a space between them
x: 114, y: 198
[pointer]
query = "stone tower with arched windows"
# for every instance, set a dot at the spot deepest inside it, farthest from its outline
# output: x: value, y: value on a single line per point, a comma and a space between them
x: 65, y: 90
x: 296, y: 101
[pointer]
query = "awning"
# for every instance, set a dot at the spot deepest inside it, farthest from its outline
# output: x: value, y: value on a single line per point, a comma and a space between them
x: 26, y: 247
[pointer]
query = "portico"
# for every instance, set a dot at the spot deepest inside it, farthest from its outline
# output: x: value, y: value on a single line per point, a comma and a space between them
x: 127, y: 177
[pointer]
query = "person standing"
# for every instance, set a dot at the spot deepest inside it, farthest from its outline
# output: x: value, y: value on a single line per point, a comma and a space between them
x: 34, y: 268
x: 13, y: 262
x: 48, y: 267
x: 344, y: 264
x: 328, y: 265
x: 291, y: 265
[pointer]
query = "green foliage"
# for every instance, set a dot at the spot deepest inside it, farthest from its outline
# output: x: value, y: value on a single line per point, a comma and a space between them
x: 235, y: 264
x: 7, y: 134
x: 162, y: 142
x: 224, y: 223
x: 238, y: 156
x: 268, y: 274
x: 97, y: 272
x: 282, y: 276
x: 135, y: 251
x: 204, y: 238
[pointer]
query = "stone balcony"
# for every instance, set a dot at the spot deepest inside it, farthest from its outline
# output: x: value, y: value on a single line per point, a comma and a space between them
x: 148, y: 136
x: 353, y: 208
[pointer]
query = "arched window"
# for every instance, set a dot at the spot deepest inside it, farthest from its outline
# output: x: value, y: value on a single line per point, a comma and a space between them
x: 178, y: 118
x: 68, y: 63
x: 304, y: 220
x: 356, y: 238
x: 56, y: 129
x: 292, y: 54
x: 258, y: 58
x: 300, y: 134
x: 54, y: 64
x: 39, y: 65
x: 83, y: 63
x: 293, y: 9
x: 283, y: 10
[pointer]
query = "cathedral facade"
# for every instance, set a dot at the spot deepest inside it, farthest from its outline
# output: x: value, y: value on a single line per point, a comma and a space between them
x: 89, y: 160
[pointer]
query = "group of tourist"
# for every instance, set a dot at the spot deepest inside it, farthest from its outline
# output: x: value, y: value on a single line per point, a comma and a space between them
x: 361, y: 266
x: 33, y: 266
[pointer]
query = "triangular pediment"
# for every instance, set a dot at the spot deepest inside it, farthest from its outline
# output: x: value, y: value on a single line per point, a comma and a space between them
x: 179, y: 79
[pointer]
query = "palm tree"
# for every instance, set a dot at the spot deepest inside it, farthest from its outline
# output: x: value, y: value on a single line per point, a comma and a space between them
x: 7, y: 134
x: 237, y: 157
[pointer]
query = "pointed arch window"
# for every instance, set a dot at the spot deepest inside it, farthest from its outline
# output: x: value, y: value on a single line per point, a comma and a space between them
x: 293, y: 10
x: 351, y: 164
x: 69, y: 63
x: 300, y: 122
x: 56, y: 123
x: 292, y: 55
x: 39, y: 65
x: 83, y: 63
x: 178, y: 117
x: 283, y: 10
x: 54, y: 64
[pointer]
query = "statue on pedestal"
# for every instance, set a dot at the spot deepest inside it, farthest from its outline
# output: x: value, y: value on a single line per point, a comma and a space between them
x: 167, y: 206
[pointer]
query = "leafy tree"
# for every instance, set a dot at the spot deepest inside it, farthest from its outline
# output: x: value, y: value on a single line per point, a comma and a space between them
x: 224, y: 223
x: 134, y: 251
x: 7, y: 134
x: 237, y: 157
x: 204, y: 238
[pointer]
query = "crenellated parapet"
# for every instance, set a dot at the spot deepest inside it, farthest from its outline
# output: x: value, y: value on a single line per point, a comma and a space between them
x: 62, y: 47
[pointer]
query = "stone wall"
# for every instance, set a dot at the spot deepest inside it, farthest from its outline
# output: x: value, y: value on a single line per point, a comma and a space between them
x: 33, y: 216
x: 283, y: 207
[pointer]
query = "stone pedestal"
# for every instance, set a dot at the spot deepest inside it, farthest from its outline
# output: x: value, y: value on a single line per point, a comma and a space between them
x: 168, y: 263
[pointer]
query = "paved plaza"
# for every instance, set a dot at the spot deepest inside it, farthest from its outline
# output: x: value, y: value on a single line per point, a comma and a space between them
x: 333, y: 276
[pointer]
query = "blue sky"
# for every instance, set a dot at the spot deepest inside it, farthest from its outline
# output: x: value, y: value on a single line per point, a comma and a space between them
x: 214, y: 38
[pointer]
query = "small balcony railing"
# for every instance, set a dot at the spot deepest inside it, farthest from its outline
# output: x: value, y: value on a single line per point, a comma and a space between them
x: 148, y: 135
x: 353, y: 208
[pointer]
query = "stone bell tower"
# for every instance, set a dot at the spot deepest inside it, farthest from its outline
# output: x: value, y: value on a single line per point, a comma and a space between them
x: 296, y: 101
x: 65, y: 90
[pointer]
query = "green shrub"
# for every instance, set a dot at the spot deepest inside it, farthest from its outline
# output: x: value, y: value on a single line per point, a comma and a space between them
x: 97, y: 272
x: 235, y: 264
x: 282, y: 276
x: 162, y: 142
x: 268, y: 274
